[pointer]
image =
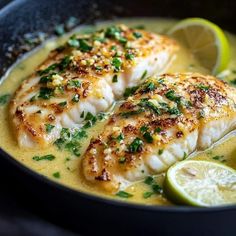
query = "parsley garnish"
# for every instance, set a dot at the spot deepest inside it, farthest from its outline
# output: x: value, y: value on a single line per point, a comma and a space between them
x: 45, y: 93
x: 203, y: 87
x: 56, y: 175
x: 122, y: 160
x: 148, y: 137
x: 144, y: 75
x: 147, y: 194
x: 129, y: 56
x: 49, y: 127
x: 116, y: 62
x: 137, y: 35
x: 75, y: 98
x: 157, y: 188
x: 132, y: 113
x: 145, y: 103
x: 149, y: 180
x: 115, y: 79
x: 130, y: 91
x: 172, y: 96
x: 124, y: 194
x: 74, y: 83
x: 48, y: 157
x: 62, y: 104
x: 84, y: 46
x: 160, y: 151
x: 135, y: 146
x: 4, y: 99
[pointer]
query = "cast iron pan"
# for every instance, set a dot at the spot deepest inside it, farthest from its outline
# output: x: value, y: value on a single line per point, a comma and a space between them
x: 78, y: 211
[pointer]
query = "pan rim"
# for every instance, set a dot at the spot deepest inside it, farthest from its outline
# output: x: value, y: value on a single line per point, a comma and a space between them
x: 112, y: 202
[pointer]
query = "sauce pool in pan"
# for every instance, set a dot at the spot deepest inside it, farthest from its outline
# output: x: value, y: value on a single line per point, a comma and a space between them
x: 65, y: 168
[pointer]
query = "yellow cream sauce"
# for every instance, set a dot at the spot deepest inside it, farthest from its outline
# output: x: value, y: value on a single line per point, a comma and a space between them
x: 69, y: 166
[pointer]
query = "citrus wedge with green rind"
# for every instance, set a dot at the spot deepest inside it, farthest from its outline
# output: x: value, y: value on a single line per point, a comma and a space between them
x: 201, y: 183
x: 206, y: 41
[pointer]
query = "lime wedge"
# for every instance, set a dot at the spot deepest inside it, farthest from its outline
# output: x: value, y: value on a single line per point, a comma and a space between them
x: 205, y: 40
x: 201, y: 183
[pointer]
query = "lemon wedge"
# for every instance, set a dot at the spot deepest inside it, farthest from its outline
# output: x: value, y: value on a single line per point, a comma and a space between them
x: 201, y: 183
x: 206, y: 41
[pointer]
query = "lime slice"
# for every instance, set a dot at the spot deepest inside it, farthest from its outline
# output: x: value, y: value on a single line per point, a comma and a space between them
x: 205, y: 40
x: 201, y: 183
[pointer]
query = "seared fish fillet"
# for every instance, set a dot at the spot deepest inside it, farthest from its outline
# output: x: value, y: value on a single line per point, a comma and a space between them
x: 87, y: 74
x: 167, y: 118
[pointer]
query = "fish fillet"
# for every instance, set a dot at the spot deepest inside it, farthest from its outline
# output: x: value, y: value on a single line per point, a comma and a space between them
x: 167, y: 118
x: 87, y: 74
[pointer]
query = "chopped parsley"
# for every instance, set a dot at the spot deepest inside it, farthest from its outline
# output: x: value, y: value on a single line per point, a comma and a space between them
x: 185, y: 156
x: 4, y: 99
x: 144, y: 75
x: 120, y: 137
x: 75, y: 98
x: 56, y: 175
x: 46, y: 78
x: 62, y: 104
x: 74, y: 83
x: 158, y: 130
x: 49, y: 128
x: 146, y: 104
x: 48, y: 69
x: 149, y: 180
x: 124, y: 194
x: 157, y: 188
x: 203, y: 87
x: 160, y: 151
x: 45, y: 93
x: 122, y: 160
x: 135, y: 146
x: 115, y: 79
x: 73, y: 42
x: 129, y: 56
x: 70, y: 140
x: 147, y: 194
x: 130, y: 91
x: 137, y: 35
x: 113, y: 32
x: 84, y: 46
x: 132, y: 113
x: 174, y: 111
x: 116, y: 62
x: 143, y: 129
x: 172, y: 96
x: 219, y: 158
x: 91, y: 120
x: 148, y: 137
x: 48, y: 157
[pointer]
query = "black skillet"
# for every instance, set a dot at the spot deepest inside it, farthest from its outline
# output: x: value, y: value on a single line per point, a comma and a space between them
x: 78, y: 211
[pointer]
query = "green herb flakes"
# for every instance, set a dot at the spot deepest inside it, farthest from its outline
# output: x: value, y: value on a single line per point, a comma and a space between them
x: 135, y: 146
x: 56, y: 175
x: 115, y: 79
x: 4, y: 99
x: 75, y: 98
x: 48, y: 157
x: 144, y: 75
x: 116, y: 62
x: 157, y: 188
x: 130, y: 91
x: 122, y: 160
x: 124, y: 194
x: 45, y: 93
x: 49, y: 128
x: 149, y: 180
x: 137, y: 35
x: 147, y: 194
